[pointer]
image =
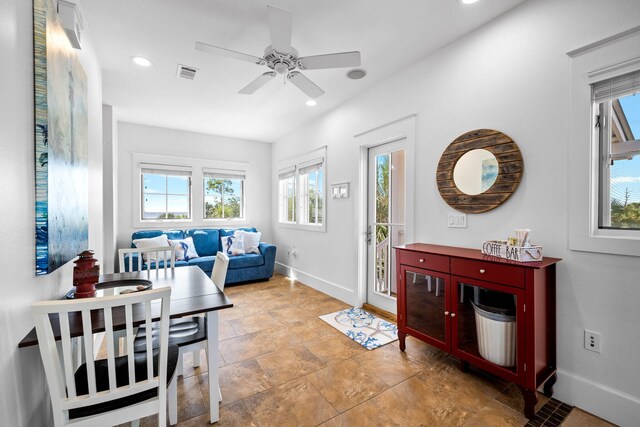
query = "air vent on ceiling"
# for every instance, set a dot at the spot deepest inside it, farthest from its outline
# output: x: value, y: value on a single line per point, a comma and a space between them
x: 186, y: 72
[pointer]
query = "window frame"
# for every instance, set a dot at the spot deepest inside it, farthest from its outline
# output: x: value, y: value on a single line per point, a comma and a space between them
x: 197, y: 192
x: 228, y: 174
x: 603, y: 110
x: 166, y: 171
x: 298, y: 169
x: 284, y: 197
x: 599, y: 61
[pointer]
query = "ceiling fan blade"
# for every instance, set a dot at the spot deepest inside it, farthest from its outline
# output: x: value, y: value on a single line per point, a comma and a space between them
x: 280, y: 26
x: 305, y: 85
x: 257, y: 83
x: 331, y: 60
x: 209, y: 48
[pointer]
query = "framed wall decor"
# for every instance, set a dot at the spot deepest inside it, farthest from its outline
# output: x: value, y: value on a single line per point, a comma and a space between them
x: 61, y: 143
x: 479, y: 171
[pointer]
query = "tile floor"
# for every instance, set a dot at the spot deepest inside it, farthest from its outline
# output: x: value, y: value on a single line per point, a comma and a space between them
x: 282, y: 366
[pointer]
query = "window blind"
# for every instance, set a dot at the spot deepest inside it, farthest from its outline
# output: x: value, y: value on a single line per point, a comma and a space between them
x: 617, y: 87
x: 311, y: 165
x: 223, y: 173
x: 287, y: 172
x: 160, y: 169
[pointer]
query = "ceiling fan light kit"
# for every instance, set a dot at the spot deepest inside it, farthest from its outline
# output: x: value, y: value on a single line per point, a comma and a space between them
x: 283, y: 59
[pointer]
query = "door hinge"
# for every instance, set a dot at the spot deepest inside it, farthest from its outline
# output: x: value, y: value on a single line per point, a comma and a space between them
x: 525, y: 367
x: 598, y: 121
x: 524, y: 308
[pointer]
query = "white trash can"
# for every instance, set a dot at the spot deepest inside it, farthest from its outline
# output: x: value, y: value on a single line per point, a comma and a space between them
x: 496, y: 336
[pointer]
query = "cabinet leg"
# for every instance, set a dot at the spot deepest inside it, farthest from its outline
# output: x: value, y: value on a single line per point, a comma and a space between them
x: 548, y: 386
x: 464, y: 366
x: 530, y: 401
x: 402, y: 340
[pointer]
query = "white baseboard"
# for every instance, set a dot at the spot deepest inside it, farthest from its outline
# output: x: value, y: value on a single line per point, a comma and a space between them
x: 605, y: 402
x: 333, y: 289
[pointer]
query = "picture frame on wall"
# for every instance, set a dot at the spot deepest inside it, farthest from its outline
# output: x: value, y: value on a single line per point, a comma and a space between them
x: 61, y: 143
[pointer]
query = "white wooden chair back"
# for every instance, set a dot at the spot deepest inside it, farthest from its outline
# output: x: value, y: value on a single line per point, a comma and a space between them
x: 155, y: 255
x: 59, y: 368
x: 219, y: 272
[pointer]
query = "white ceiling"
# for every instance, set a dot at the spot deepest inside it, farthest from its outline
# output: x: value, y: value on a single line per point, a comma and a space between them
x: 391, y: 35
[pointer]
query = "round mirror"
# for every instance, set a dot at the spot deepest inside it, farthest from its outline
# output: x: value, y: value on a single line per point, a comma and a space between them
x: 475, y: 172
x: 479, y: 171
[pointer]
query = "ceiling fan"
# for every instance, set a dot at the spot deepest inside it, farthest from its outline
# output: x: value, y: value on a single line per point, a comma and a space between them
x: 283, y: 59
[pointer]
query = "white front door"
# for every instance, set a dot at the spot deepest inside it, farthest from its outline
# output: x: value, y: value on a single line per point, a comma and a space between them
x: 386, y: 221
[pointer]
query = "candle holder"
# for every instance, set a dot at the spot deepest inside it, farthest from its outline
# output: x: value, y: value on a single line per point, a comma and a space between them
x: 85, y: 275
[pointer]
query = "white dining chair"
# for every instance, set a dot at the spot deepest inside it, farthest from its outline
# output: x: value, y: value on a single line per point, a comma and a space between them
x: 154, y: 258
x: 114, y: 390
x: 218, y: 277
x: 189, y: 333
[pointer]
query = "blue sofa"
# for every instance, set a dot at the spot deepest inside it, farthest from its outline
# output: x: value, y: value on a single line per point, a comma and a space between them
x: 242, y: 268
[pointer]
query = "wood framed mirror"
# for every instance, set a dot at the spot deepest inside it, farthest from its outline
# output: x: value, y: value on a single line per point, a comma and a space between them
x: 479, y: 171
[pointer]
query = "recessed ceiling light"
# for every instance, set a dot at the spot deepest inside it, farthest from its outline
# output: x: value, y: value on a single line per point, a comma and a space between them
x: 356, y: 74
x: 143, y: 62
x: 468, y: 1
x: 311, y: 102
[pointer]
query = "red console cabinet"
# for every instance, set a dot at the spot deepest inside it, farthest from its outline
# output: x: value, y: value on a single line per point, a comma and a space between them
x: 495, y: 314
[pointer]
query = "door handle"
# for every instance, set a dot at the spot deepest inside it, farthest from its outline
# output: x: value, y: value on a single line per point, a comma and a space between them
x: 369, y: 233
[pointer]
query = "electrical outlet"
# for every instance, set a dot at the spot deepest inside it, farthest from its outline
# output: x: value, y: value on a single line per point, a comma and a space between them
x: 592, y: 341
x: 456, y: 220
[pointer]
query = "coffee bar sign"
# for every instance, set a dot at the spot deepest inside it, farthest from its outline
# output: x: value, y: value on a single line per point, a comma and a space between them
x: 501, y: 249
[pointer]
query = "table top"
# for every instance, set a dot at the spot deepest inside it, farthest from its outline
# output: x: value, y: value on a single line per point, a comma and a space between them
x: 475, y: 254
x: 192, y: 292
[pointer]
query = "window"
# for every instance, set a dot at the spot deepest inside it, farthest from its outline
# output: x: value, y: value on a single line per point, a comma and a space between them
x: 301, y: 191
x: 223, y: 194
x: 311, y: 193
x: 166, y: 193
x: 602, y: 163
x: 616, y: 104
x: 190, y: 192
x: 287, y: 191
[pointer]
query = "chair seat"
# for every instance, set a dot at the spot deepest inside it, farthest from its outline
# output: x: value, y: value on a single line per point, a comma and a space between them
x: 122, y: 379
x: 182, y: 332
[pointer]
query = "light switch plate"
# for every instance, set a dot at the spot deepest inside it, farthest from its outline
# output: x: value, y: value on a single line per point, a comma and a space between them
x: 457, y: 220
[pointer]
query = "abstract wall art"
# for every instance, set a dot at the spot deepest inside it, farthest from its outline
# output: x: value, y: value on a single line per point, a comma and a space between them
x: 61, y: 143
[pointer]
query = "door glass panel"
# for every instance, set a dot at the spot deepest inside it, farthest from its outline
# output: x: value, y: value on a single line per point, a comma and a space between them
x: 382, y: 259
x: 397, y: 239
x: 425, y: 304
x: 382, y: 188
x: 487, y: 324
x: 397, y: 187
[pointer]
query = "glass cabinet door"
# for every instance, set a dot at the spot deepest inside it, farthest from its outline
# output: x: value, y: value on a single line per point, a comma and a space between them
x: 486, y: 324
x: 427, y: 306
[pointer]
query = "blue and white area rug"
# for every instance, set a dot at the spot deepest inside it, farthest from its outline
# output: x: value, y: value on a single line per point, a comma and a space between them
x: 364, y: 328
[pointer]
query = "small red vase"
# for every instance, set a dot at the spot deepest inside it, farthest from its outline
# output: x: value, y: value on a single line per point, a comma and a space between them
x: 85, y: 275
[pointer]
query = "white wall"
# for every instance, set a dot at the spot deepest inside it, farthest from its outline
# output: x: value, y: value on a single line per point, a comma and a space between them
x: 511, y: 75
x: 24, y: 400
x: 110, y: 185
x: 134, y: 138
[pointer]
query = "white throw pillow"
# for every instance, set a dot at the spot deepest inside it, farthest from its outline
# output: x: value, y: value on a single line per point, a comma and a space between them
x: 152, y: 242
x: 251, y: 241
x: 185, y: 249
x: 232, y: 245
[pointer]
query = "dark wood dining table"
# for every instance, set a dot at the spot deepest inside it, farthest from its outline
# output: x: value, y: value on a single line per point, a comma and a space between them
x: 192, y: 292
